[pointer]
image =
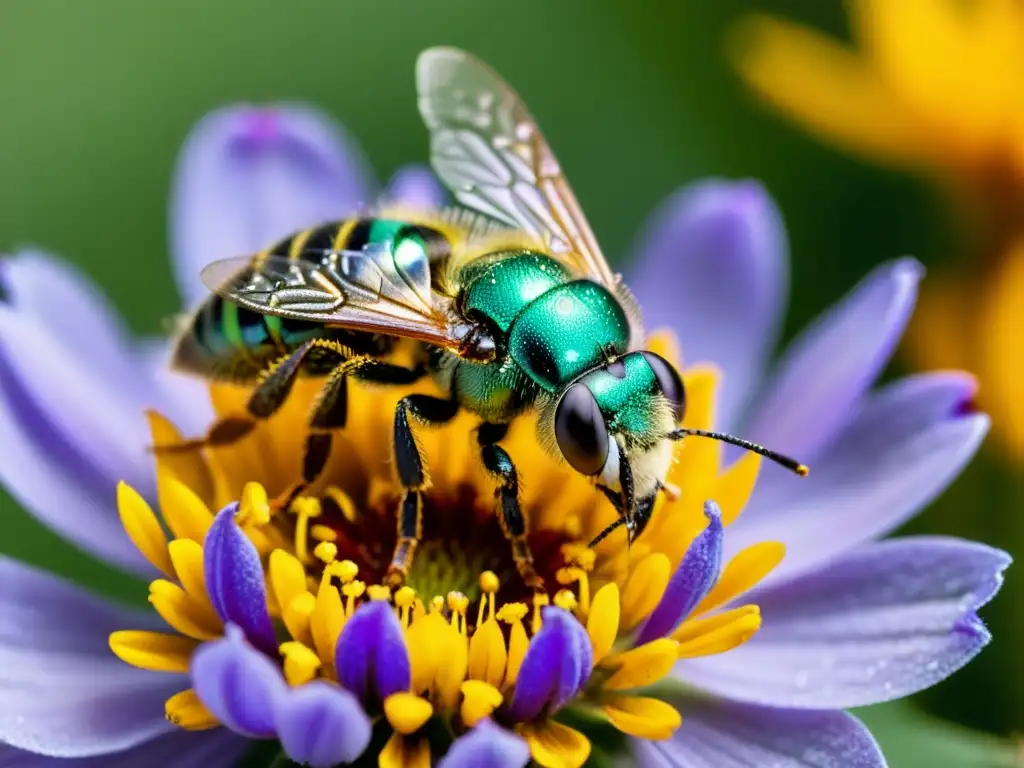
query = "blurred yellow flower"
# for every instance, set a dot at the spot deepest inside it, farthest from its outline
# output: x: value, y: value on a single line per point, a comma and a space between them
x: 936, y: 87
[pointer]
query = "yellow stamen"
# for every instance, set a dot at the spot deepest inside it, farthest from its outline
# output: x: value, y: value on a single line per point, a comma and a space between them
x: 404, y: 599
x: 436, y: 604
x: 745, y: 570
x: 323, y: 533
x: 539, y: 601
x: 603, y: 621
x: 554, y: 745
x: 378, y: 592
x: 325, y: 552
x: 353, y: 591
x: 153, y: 650
x: 479, y: 700
x: 254, y: 507
x: 304, y: 508
x: 577, y: 576
x: 300, y: 663
x: 565, y: 600
x: 185, y: 710
x: 642, y: 717
x: 143, y: 528
x: 723, y: 638
x: 458, y: 604
x: 643, y: 665
x: 513, y: 614
x: 346, y: 571
x: 339, y: 497
x: 643, y: 591
x: 183, y: 613
x: 488, y: 586
x: 407, y: 712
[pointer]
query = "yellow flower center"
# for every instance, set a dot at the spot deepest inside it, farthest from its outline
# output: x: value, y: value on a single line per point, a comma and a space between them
x: 467, y: 617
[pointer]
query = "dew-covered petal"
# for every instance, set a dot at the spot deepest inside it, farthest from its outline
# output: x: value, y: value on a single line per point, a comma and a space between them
x: 556, y: 666
x: 415, y: 186
x: 904, y: 446
x: 235, y: 582
x: 712, y: 265
x: 879, y: 623
x: 248, y: 175
x: 177, y: 749
x: 487, y: 744
x: 696, y: 575
x: 62, y: 692
x: 238, y: 684
x: 321, y: 725
x: 371, y: 657
x: 724, y: 734
x: 828, y: 368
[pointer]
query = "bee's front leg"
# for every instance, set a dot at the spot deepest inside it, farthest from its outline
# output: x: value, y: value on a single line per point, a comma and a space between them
x: 428, y: 410
x: 513, y: 523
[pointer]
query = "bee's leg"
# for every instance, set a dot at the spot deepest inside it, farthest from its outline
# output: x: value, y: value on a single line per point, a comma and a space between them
x: 411, y: 474
x: 267, y: 398
x: 513, y: 524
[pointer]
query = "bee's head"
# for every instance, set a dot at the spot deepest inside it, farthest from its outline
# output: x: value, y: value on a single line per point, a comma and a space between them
x: 612, y: 422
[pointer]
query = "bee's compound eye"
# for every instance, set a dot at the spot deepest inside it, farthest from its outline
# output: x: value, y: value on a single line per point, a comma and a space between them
x: 669, y: 382
x: 580, y: 430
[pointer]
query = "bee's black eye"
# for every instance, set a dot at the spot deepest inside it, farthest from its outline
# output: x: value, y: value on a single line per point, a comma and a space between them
x: 669, y: 382
x: 580, y: 430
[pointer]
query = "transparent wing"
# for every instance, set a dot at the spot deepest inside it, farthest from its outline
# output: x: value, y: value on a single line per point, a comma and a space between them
x: 373, y: 290
x: 489, y: 152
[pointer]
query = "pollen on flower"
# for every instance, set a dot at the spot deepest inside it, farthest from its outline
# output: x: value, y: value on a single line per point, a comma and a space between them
x: 463, y: 619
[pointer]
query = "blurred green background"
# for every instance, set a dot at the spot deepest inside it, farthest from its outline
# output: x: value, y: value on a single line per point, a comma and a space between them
x: 637, y: 98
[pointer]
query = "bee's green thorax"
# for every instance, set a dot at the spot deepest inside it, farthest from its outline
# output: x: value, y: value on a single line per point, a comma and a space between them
x: 624, y: 392
x: 500, y: 288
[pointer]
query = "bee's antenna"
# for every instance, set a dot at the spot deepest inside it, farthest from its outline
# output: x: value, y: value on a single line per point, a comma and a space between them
x: 790, y: 464
x: 619, y: 522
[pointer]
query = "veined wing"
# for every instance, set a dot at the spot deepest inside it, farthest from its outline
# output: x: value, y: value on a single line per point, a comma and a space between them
x: 489, y: 152
x: 375, y: 290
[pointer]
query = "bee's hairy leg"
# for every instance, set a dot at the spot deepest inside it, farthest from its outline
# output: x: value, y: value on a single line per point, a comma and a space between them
x: 330, y: 412
x: 266, y: 399
x: 513, y: 524
x: 429, y: 411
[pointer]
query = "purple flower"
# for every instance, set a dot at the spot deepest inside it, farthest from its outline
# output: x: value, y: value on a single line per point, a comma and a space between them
x: 846, y: 621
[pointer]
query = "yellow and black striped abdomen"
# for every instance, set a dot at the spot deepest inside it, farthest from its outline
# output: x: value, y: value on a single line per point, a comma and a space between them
x: 224, y: 341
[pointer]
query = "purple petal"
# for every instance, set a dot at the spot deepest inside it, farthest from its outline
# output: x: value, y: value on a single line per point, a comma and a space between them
x: 721, y: 734
x: 556, y: 666
x: 417, y: 187
x: 696, y: 574
x: 830, y: 366
x: 371, y: 657
x: 321, y: 725
x: 177, y: 749
x: 234, y: 580
x: 238, y: 684
x: 250, y: 175
x: 62, y: 692
x: 882, y: 622
x: 712, y: 265
x: 903, y: 448
x: 487, y: 744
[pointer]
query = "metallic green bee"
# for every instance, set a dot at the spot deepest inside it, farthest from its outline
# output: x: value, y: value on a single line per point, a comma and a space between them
x: 521, y: 313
